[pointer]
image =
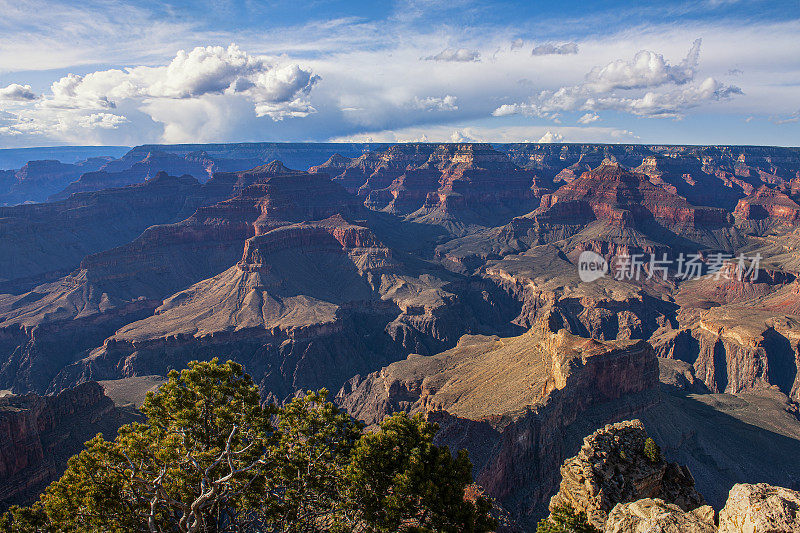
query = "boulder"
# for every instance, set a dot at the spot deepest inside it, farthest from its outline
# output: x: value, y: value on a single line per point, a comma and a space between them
x: 653, y: 515
x: 760, y: 508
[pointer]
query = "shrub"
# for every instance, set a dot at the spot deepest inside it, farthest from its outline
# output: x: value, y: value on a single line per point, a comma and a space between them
x: 564, y: 519
x: 210, y: 457
x: 652, y: 451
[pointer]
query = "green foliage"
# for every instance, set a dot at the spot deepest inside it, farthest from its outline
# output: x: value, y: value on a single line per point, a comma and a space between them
x: 312, y: 451
x: 652, y: 451
x: 24, y: 519
x: 198, y: 460
x: 564, y: 519
x: 400, y: 481
x: 211, y: 458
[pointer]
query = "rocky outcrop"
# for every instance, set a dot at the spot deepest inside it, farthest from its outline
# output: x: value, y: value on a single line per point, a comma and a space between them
x: 300, y: 155
x: 630, y: 202
x: 653, y: 515
x: 547, y: 284
x: 39, y: 433
x: 760, y: 508
x: 705, y: 175
x: 613, y: 467
x: 53, y: 324
x: 138, y: 172
x: 685, y: 175
x: 737, y: 347
x: 509, y: 402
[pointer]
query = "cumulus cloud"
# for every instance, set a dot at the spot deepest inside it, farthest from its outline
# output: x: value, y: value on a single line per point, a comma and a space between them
x: 56, y: 122
x: 17, y: 92
x: 435, y: 103
x: 647, y: 69
x: 466, y: 135
x: 618, y: 85
x: 588, y: 118
x: 516, y: 44
x: 504, y: 134
x: 670, y: 104
x: 459, y: 55
x: 277, y: 90
x: 201, y: 71
x: 548, y: 49
x: 80, y: 92
x: 106, y: 121
x: 507, y: 110
x: 551, y: 137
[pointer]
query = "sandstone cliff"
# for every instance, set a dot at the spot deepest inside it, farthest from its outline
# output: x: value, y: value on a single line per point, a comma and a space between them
x: 39, y: 433
x: 509, y: 402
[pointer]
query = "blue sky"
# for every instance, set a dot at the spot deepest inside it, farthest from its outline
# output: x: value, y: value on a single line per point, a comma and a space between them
x: 118, y: 72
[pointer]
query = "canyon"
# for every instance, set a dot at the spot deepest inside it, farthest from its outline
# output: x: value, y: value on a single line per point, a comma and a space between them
x: 429, y: 278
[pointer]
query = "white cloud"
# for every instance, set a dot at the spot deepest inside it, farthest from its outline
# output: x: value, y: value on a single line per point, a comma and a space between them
x: 647, y: 69
x: 516, y: 44
x: 17, y: 92
x: 277, y: 90
x: 435, y: 103
x: 670, y: 104
x: 548, y: 49
x: 83, y: 92
x: 51, y: 122
x: 460, y: 55
x: 371, y: 71
x: 466, y: 135
x: 794, y: 117
x: 201, y: 71
x: 279, y: 110
x: 551, y: 137
x: 507, y: 110
x: 506, y: 134
x: 107, y: 121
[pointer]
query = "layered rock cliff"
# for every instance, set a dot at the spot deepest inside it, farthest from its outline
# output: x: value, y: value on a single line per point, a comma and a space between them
x: 509, y: 402
x: 39, y: 433
x: 45, y: 241
x: 308, y: 305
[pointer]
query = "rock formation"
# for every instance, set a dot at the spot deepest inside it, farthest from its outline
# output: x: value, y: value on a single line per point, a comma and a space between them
x: 49, y: 240
x: 760, y: 508
x: 651, y: 515
x: 308, y: 305
x: 37, y: 180
x: 54, y: 323
x: 335, y: 275
x: 768, y: 206
x: 612, y: 467
x: 459, y: 185
x: 138, y: 172
x: 509, y: 402
x: 38, y: 435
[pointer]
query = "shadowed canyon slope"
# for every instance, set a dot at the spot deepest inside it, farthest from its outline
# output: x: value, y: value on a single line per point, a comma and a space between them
x: 435, y: 278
